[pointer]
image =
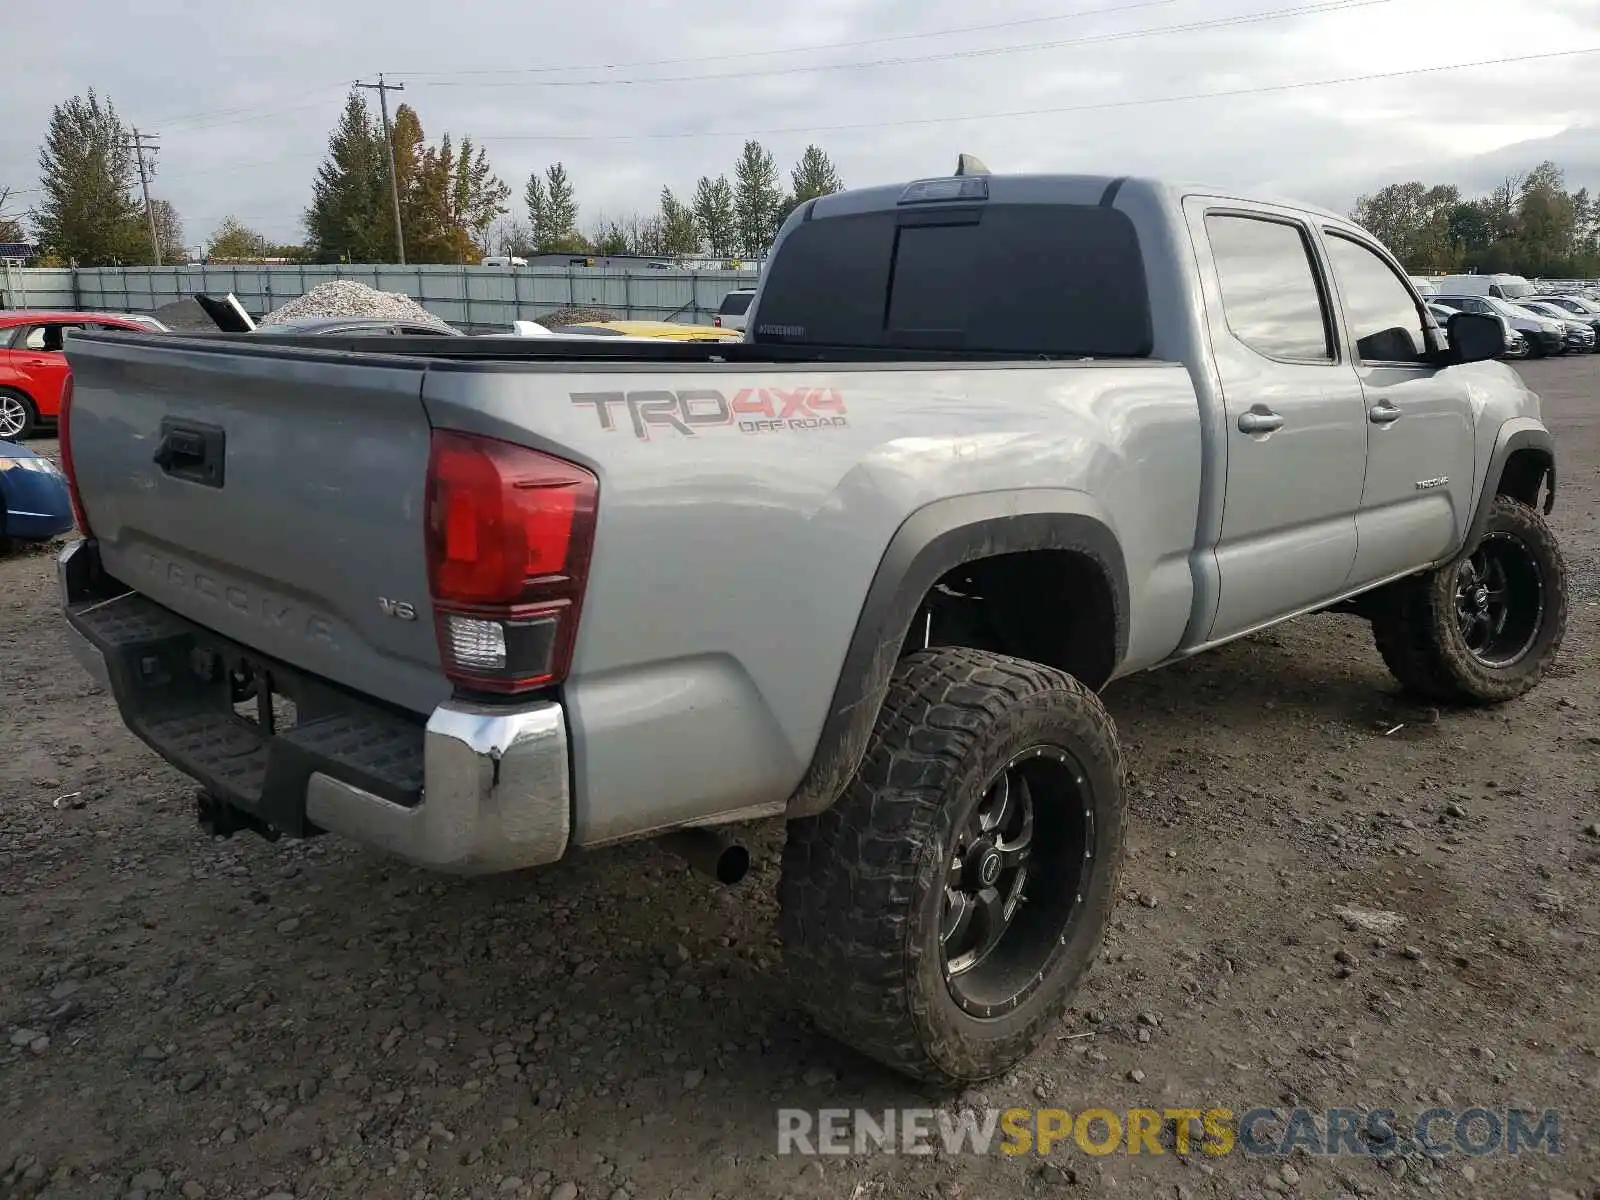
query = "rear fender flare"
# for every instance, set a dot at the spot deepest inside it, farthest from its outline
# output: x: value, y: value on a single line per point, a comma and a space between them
x: 931, y: 542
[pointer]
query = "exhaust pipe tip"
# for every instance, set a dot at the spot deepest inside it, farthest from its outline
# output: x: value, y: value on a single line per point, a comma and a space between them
x: 732, y: 864
x: 709, y: 853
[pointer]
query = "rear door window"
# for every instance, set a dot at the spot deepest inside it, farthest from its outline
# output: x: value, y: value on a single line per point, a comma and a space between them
x: 1059, y: 280
x: 1270, y: 294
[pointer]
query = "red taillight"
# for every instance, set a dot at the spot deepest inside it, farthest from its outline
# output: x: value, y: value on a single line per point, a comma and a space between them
x: 64, y: 435
x: 509, y: 531
x: 717, y: 321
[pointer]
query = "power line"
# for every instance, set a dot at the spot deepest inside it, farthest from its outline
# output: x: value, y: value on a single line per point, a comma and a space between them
x: 252, y: 112
x: 1033, y: 112
x: 744, y: 54
x: 1322, y: 6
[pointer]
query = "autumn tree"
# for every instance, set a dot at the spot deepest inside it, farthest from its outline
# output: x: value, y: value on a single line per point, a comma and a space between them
x: 233, y: 241
x: 512, y: 237
x: 10, y: 227
x: 87, y: 173
x: 758, y: 200
x: 169, y: 230
x: 449, y: 197
x: 714, y: 215
x: 680, y: 237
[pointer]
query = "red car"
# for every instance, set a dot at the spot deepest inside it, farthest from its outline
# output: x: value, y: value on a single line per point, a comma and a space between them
x: 33, y: 363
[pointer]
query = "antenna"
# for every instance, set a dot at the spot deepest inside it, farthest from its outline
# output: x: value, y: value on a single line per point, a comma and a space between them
x: 970, y: 164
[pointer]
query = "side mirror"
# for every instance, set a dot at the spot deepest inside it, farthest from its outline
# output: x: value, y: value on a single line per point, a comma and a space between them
x: 1474, y: 338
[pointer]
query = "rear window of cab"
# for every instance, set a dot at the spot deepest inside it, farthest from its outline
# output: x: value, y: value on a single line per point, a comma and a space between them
x: 1061, y: 280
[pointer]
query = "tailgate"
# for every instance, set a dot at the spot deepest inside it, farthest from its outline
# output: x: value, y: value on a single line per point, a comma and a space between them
x: 271, y: 494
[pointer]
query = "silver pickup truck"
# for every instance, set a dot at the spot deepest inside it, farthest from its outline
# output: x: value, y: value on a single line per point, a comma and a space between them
x: 988, y: 444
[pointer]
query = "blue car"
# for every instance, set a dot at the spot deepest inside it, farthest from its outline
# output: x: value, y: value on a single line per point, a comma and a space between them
x: 34, y: 502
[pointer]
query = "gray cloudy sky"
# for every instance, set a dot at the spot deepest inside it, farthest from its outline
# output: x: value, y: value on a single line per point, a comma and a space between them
x: 244, y: 96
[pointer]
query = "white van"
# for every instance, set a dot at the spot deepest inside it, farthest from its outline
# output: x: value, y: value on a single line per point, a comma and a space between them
x: 1506, y: 287
x: 501, y: 260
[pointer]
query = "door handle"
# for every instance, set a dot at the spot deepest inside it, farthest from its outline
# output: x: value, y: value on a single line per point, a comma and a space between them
x: 196, y: 453
x: 1384, y: 413
x: 1260, y: 420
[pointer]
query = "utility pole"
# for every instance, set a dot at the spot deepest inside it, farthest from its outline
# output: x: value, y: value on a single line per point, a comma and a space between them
x: 383, y: 89
x: 141, y: 143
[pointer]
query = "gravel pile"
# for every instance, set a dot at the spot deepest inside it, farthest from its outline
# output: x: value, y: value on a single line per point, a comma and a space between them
x: 347, y: 298
x: 576, y: 316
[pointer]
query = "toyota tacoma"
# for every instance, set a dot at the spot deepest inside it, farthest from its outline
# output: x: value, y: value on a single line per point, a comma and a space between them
x: 989, y: 443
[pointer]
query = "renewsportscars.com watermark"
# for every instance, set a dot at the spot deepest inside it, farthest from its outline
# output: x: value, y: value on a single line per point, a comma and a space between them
x: 1260, y: 1132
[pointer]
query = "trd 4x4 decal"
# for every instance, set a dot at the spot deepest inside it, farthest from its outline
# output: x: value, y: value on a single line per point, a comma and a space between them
x: 752, y: 410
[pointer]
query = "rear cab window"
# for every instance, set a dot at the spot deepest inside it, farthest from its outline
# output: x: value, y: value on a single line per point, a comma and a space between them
x: 997, y: 278
x: 736, y: 304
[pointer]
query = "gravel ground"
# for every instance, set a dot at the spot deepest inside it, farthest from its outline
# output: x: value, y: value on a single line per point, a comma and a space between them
x: 183, y: 1017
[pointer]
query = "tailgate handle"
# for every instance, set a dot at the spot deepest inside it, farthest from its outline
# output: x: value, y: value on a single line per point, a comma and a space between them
x: 192, y: 452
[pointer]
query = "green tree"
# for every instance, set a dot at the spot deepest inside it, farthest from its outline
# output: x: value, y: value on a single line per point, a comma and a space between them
x: 1585, y: 224
x: 814, y: 175
x: 1413, y: 221
x: 1546, y: 220
x: 553, y: 212
x: 714, y: 216
x: 87, y: 173
x: 758, y: 201
x: 349, y: 219
x: 478, y: 196
x: 1470, y: 226
x: 680, y: 235
x: 610, y: 236
x: 234, y: 241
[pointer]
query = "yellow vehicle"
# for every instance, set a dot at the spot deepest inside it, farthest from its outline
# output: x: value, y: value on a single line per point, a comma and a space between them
x: 666, y: 330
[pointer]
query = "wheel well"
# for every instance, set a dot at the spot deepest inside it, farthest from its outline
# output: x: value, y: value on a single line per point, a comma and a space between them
x: 1523, y: 475
x: 1055, y: 607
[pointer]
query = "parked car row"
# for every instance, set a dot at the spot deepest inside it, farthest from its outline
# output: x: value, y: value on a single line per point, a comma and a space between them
x: 1544, y: 326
